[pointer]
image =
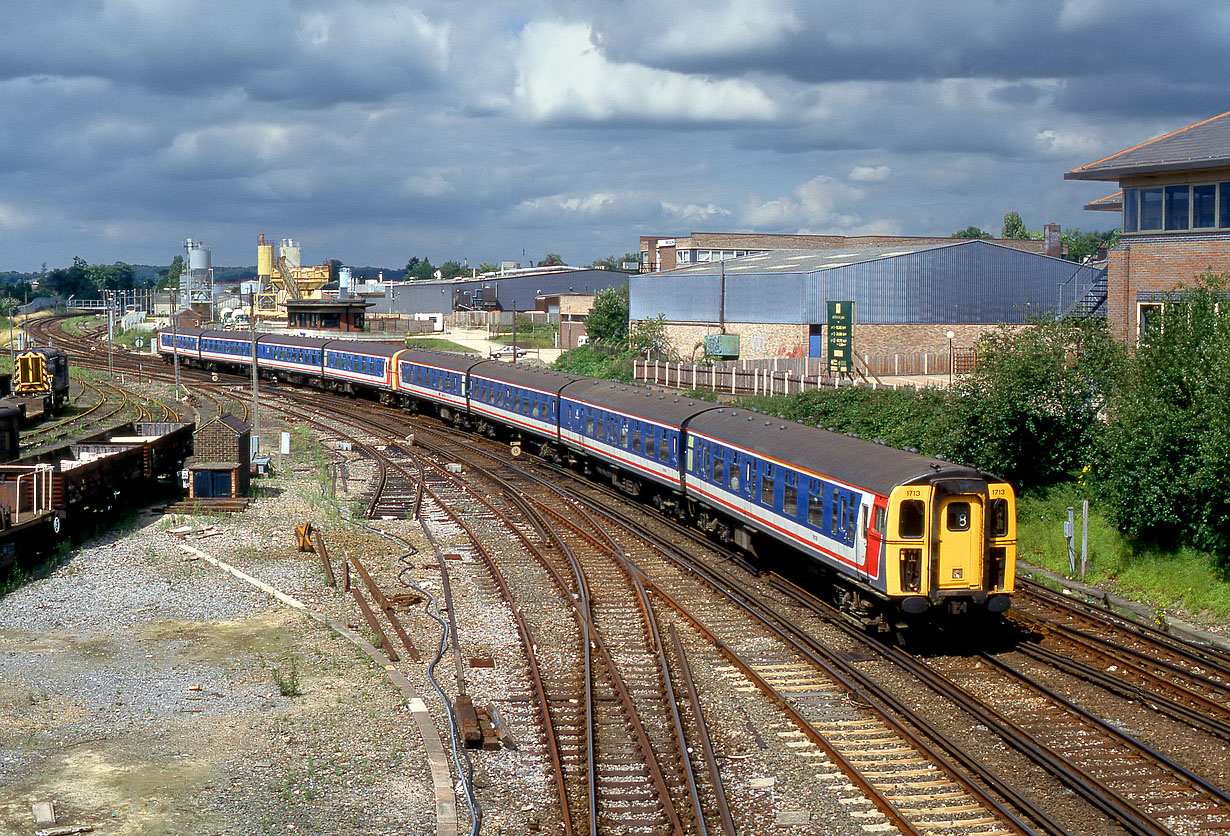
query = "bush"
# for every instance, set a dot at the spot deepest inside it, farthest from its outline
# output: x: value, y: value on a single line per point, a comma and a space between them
x: 1029, y: 413
x: 596, y: 361
x: 1164, y: 461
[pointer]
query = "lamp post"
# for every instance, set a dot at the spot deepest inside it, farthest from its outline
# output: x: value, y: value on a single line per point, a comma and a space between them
x: 950, y: 336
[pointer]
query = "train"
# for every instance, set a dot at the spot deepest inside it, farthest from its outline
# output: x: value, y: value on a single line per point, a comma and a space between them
x: 905, y: 537
x: 40, y: 381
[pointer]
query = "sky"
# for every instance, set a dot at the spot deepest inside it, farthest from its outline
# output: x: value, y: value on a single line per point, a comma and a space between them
x: 486, y: 131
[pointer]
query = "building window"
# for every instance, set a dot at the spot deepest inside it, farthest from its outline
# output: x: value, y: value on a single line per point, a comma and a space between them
x: 1177, y: 207
x: 1148, y: 319
x: 1150, y: 209
x: 1204, y: 206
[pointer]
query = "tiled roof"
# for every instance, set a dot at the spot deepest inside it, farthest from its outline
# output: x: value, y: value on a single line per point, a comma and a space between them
x: 1202, y: 145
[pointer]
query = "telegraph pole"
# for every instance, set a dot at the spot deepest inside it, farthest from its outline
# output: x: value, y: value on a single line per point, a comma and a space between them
x: 256, y: 404
x: 175, y: 338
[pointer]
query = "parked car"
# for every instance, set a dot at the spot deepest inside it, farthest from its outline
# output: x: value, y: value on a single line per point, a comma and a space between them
x: 508, y: 351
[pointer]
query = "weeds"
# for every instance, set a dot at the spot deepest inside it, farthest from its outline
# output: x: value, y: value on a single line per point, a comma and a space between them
x: 287, y: 682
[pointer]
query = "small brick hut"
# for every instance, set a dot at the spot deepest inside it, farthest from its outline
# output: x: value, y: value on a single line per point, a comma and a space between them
x: 221, y: 464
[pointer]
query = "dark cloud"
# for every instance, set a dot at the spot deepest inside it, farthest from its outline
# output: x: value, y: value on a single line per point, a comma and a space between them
x: 372, y: 129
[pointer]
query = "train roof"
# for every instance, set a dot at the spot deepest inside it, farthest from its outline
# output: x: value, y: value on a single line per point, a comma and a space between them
x: 266, y: 338
x: 369, y: 347
x: 451, y: 360
x: 524, y: 374
x: 854, y: 461
x: 664, y: 407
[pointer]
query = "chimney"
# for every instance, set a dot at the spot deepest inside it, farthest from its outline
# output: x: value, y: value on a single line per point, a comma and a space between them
x: 1052, y: 244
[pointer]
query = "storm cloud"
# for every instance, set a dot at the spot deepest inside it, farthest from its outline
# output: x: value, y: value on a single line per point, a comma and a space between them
x: 374, y: 131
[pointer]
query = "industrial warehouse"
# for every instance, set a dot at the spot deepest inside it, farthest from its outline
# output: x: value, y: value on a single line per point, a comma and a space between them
x: 906, y: 299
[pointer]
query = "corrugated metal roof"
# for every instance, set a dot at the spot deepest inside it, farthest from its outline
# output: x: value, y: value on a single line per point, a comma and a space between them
x: 966, y: 282
x: 805, y: 261
x: 1205, y: 144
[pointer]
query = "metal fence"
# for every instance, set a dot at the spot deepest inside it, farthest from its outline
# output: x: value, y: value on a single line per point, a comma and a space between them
x: 736, y: 379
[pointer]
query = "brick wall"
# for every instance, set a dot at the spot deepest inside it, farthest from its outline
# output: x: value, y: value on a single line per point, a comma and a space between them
x: 758, y: 341
x: 216, y: 442
x: 1145, y: 263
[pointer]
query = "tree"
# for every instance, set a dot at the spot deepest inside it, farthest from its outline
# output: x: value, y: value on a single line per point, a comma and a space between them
x: 452, y: 269
x: 488, y: 267
x: 170, y: 276
x: 1014, y: 227
x: 971, y: 232
x: 1165, y: 457
x: 608, y: 318
x: 416, y: 269
x: 1082, y: 245
x: 552, y: 260
x: 649, y: 337
x: 613, y: 263
x: 72, y: 281
x: 1029, y: 412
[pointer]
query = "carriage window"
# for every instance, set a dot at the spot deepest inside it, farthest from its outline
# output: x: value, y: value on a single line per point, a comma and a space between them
x: 999, y: 518
x: 734, y: 476
x: 766, y: 486
x: 651, y: 445
x: 534, y: 408
x: 589, y: 424
x: 790, y: 498
x: 836, y: 523
x: 719, y: 471
x: 665, y: 449
x: 691, y: 452
x: 878, y: 520
x: 815, y: 507
x: 623, y: 434
x: 958, y: 516
x: 635, y: 439
x: 911, y: 520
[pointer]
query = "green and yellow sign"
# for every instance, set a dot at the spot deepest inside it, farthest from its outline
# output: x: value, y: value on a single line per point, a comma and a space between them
x: 841, y: 337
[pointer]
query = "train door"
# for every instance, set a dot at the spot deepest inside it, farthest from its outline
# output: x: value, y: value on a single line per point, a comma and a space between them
x: 959, y: 563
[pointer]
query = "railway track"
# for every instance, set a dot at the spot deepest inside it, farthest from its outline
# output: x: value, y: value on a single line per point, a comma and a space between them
x: 917, y: 794
x: 1134, y: 789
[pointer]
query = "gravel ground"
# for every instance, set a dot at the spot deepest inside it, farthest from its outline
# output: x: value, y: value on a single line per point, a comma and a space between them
x: 139, y: 688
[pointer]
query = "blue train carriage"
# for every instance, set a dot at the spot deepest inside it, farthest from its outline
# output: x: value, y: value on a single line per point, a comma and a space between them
x: 518, y: 401
x: 354, y: 367
x: 435, y: 378
x: 226, y: 351
x: 630, y: 435
x: 904, y: 534
x: 184, y: 342
x: 286, y: 357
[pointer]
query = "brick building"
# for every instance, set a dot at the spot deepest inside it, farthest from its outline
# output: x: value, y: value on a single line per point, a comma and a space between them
x: 1174, y: 206
x: 221, y: 461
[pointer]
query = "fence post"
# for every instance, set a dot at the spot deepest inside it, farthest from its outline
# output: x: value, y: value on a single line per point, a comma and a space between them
x: 926, y: 357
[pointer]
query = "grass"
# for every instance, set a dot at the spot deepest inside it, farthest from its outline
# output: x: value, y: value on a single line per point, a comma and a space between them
x: 1184, y: 578
x: 438, y: 344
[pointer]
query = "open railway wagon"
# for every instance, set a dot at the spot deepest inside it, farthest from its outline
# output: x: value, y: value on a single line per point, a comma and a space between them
x: 72, y: 483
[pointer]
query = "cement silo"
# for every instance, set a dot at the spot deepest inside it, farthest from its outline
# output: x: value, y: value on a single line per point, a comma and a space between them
x: 197, y: 280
